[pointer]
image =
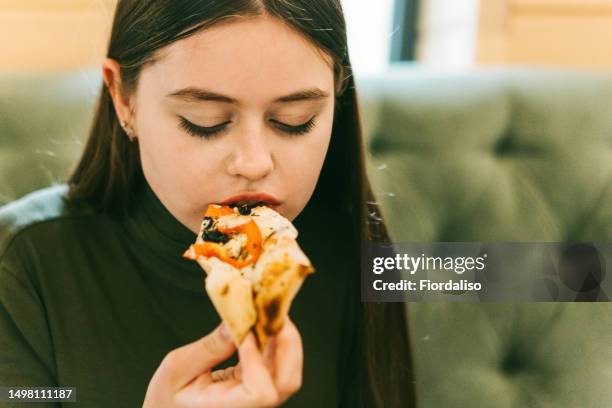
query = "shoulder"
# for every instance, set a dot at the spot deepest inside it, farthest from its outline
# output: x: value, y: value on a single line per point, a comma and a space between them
x: 42, y: 206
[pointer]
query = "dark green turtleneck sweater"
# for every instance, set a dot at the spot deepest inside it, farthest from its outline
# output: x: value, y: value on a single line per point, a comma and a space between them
x: 90, y: 301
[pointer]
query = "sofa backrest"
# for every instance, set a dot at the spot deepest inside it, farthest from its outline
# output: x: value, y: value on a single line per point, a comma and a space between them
x: 44, y: 120
x: 501, y: 155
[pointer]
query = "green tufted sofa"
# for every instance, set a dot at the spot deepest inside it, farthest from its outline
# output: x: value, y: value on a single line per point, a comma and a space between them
x: 44, y: 119
x: 503, y: 155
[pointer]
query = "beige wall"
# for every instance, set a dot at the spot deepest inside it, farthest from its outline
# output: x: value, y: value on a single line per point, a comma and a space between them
x: 570, y: 33
x: 561, y: 33
x: 53, y: 34
x: 72, y: 34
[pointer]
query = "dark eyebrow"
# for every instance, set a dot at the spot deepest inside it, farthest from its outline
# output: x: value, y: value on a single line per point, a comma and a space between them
x: 191, y: 94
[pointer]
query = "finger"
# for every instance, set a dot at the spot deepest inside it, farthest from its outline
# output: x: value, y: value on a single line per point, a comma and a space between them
x: 186, y: 363
x: 256, y: 387
x: 204, y: 393
x: 288, y: 360
x: 269, y: 354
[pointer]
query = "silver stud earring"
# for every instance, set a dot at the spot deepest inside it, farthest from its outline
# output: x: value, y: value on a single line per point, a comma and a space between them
x: 128, y: 130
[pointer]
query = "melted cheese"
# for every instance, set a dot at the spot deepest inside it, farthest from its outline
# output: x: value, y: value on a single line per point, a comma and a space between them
x: 280, y: 231
x: 235, y: 245
x: 269, y: 222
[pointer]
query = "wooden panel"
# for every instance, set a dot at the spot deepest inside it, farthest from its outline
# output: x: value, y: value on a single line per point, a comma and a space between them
x: 561, y: 9
x: 53, y: 35
x: 492, y: 38
x: 569, y: 33
x: 560, y: 4
x: 567, y: 41
x: 56, y: 5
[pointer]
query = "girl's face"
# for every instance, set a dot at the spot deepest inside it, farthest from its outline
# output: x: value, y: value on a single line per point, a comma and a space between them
x: 243, y: 107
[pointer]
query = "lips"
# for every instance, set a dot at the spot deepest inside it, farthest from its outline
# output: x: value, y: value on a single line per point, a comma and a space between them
x: 252, y: 198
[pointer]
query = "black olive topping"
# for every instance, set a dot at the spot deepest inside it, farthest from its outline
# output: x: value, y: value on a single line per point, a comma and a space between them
x: 210, y: 233
x: 215, y: 236
x: 245, y: 208
x: 207, y: 223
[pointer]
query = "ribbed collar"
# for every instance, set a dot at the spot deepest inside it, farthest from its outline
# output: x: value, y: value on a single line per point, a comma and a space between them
x: 161, y: 240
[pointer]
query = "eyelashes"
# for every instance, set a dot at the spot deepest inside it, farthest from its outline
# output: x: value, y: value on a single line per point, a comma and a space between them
x: 212, y: 131
x: 201, y: 131
x: 296, y: 130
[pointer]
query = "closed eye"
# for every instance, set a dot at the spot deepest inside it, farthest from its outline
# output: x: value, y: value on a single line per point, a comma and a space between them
x: 202, y: 131
x: 211, y: 131
x: 297, y: 129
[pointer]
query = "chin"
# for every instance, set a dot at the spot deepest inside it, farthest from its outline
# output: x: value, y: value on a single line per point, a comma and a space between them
x: 289, y: 213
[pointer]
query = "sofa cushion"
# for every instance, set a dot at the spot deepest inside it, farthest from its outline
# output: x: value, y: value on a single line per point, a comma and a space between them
x: 508, y: 155
x: 44, y: 119
x: 499, y: 155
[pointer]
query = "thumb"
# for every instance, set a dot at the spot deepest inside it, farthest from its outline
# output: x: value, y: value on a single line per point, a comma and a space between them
x: 185, y: 363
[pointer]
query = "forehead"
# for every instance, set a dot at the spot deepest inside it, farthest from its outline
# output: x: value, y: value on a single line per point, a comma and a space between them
x: 251, y: 59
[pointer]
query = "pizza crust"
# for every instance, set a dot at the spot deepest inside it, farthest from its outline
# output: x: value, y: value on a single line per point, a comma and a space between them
x: 232, y: 296
x: 280, y: 283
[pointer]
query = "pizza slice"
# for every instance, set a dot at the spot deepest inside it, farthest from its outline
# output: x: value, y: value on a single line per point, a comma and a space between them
x: 254, y: 267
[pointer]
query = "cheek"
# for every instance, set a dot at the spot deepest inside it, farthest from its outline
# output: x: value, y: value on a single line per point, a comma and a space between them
x: 164, y: 151
x: 307, y: 159
x: 302, y: 165
x: 173, y: 162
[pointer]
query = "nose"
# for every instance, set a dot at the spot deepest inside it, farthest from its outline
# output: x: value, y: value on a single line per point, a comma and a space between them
x: 251, y: 158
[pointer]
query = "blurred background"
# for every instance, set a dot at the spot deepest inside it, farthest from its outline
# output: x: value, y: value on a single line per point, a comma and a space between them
x: 443, y: 34
x: 485, y: 120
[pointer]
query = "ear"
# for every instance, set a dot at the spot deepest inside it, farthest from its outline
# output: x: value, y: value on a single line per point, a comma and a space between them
x: 111, y: 72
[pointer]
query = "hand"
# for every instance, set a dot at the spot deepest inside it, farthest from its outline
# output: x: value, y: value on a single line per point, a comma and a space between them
x: 185, y: 379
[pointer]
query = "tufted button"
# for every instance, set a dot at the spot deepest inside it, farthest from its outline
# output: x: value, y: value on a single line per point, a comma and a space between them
x: 503, y: 145
x: 514, y: 361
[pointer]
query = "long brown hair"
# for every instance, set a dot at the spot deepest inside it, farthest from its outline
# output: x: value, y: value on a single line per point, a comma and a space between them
x: 110, y: 168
